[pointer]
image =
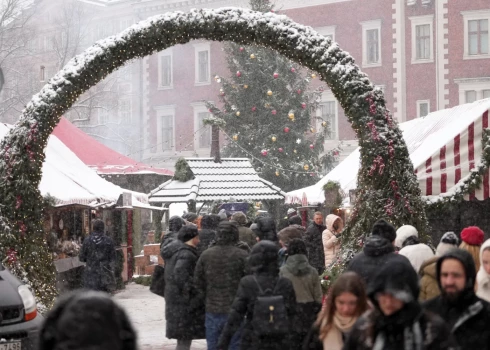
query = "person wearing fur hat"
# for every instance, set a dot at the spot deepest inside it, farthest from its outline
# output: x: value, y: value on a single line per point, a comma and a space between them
x: 184, y: 310
x: 429, y: 288
x: 472, y: 238
x: 245, y: 234
x: 377, y: 252
x: 417, y: 253
x: 467, y: 315
x: 448, y: 241
x: 397, y: 320
x: 483, y: 276
x: 330, y: 237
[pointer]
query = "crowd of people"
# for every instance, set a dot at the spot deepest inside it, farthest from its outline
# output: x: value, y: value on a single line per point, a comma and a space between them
x: 242, y: 287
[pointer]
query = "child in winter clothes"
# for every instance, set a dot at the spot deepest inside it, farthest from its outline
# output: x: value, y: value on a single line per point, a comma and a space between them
x: 483, y: 276
x: 331, y: 242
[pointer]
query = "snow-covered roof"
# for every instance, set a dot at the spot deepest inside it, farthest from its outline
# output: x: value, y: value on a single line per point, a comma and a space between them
x: 232, y: 178
x: 70, y: 181
x: 444, y: 147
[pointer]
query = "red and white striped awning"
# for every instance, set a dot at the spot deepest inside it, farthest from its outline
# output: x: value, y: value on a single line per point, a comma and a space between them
x: 444, y: 147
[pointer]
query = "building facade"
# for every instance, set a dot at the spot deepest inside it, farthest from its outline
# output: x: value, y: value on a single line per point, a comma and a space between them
x: 425, y: 55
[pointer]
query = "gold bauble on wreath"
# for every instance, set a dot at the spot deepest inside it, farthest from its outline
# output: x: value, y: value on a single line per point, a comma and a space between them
x: 269, y: 93
x: 235, y: 137
x: 306, y: 167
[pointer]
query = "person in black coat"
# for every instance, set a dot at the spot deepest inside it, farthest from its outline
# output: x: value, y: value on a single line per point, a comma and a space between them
x: 266, y: 229
x: 467, y: 315
x: 184, y: 311
x: 84, y: 320
x: 99, y: 253
x: 314, y: 243
x: 397, y: 320
x: 207, y: 233
x: 218, y: 273
x: 263, y: 262
x: 175, y: 223
x: 378, y: 251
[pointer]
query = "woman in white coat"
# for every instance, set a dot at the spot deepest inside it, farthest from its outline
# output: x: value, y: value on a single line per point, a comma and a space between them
x: 483, y: 276
x: 330, y: 237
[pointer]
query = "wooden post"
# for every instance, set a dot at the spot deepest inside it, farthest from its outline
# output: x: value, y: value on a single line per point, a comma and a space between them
x: 215, y: 143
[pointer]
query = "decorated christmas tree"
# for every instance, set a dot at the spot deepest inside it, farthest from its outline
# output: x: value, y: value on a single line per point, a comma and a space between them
x: 270, y: 114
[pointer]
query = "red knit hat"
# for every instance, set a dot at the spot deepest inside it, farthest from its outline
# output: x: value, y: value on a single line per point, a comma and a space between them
x: 472, y: 235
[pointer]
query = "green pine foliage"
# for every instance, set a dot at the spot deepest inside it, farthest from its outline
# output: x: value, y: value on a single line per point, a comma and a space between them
x: 259, y: 99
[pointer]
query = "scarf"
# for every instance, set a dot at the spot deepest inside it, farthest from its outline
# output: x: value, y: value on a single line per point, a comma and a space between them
x: 333, y: 340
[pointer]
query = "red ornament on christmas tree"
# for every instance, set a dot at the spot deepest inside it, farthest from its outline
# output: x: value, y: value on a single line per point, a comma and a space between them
x: 238, y: 74
x: 286, y: 129
x: 303, y: 105
x: 280, y: 149
x: 241, y: 49
x: 299, y: 91
x: 254, y: 109
x: 293, y: 70
x: 276, y: 75
x: 274, y: 112
x: 264, y: 153
x: 312, y: 146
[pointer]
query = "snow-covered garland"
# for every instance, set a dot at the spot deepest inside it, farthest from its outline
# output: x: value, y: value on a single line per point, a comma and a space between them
x: 388, y: 187
x: 469, y: 184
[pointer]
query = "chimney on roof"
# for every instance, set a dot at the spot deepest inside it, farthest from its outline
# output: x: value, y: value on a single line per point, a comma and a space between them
x: 215, y: 143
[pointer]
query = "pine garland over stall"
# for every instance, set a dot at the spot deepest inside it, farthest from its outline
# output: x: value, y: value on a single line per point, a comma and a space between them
x: 388, y: 187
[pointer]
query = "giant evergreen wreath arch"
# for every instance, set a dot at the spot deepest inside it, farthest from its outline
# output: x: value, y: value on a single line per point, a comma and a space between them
x: 388, y: 187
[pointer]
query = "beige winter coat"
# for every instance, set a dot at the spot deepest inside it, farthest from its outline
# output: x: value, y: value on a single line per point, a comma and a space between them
x: 331, y: 244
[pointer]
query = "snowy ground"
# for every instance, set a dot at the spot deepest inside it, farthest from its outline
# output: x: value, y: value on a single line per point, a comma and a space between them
x: 147, y: 313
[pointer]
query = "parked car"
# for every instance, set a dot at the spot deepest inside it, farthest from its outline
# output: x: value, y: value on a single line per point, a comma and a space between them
x: 19, y: 320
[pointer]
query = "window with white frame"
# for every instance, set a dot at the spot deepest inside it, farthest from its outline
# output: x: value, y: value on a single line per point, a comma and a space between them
x: 125, y: 110
x: 371, y: 43
x: 42, y: 73
x: 203, y: 63
x: 476, y: 38
x: 328, y: 113
x: 167, y: 132
x: 165, y: 74
x: 204, y: 133
x: 470, y: 96
x: 473, y: 89
x: 165, y: 128
x: 423, y: 108
x: 422, y: 39
x: 328, y: 31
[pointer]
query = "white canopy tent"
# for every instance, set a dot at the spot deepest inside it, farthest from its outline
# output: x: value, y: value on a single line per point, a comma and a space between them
x: 444, y: 147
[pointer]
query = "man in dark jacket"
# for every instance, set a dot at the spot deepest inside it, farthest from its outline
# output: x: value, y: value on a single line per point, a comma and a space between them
x: 184, y: 313
x: 218, y: 273
x: 378, y: 251
x: 244, y: 233
x: 263, y: 263
x: 99, y: 253
x: 175, y: 223
x: 467, y: 315
x: 397, y: 320
x: 266, y: 229
x: 314, y: 243
x: 207, y: 233
x: 82, y: 320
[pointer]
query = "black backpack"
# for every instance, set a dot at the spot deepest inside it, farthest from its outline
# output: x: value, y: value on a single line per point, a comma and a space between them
x: 270, y: 317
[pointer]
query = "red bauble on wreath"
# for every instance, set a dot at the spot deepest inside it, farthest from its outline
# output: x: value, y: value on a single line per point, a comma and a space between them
x: 276, y: 75
x: 238, y: 74
x: 264, y: 153
x: 286, y: 129
x: 280, y: 150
